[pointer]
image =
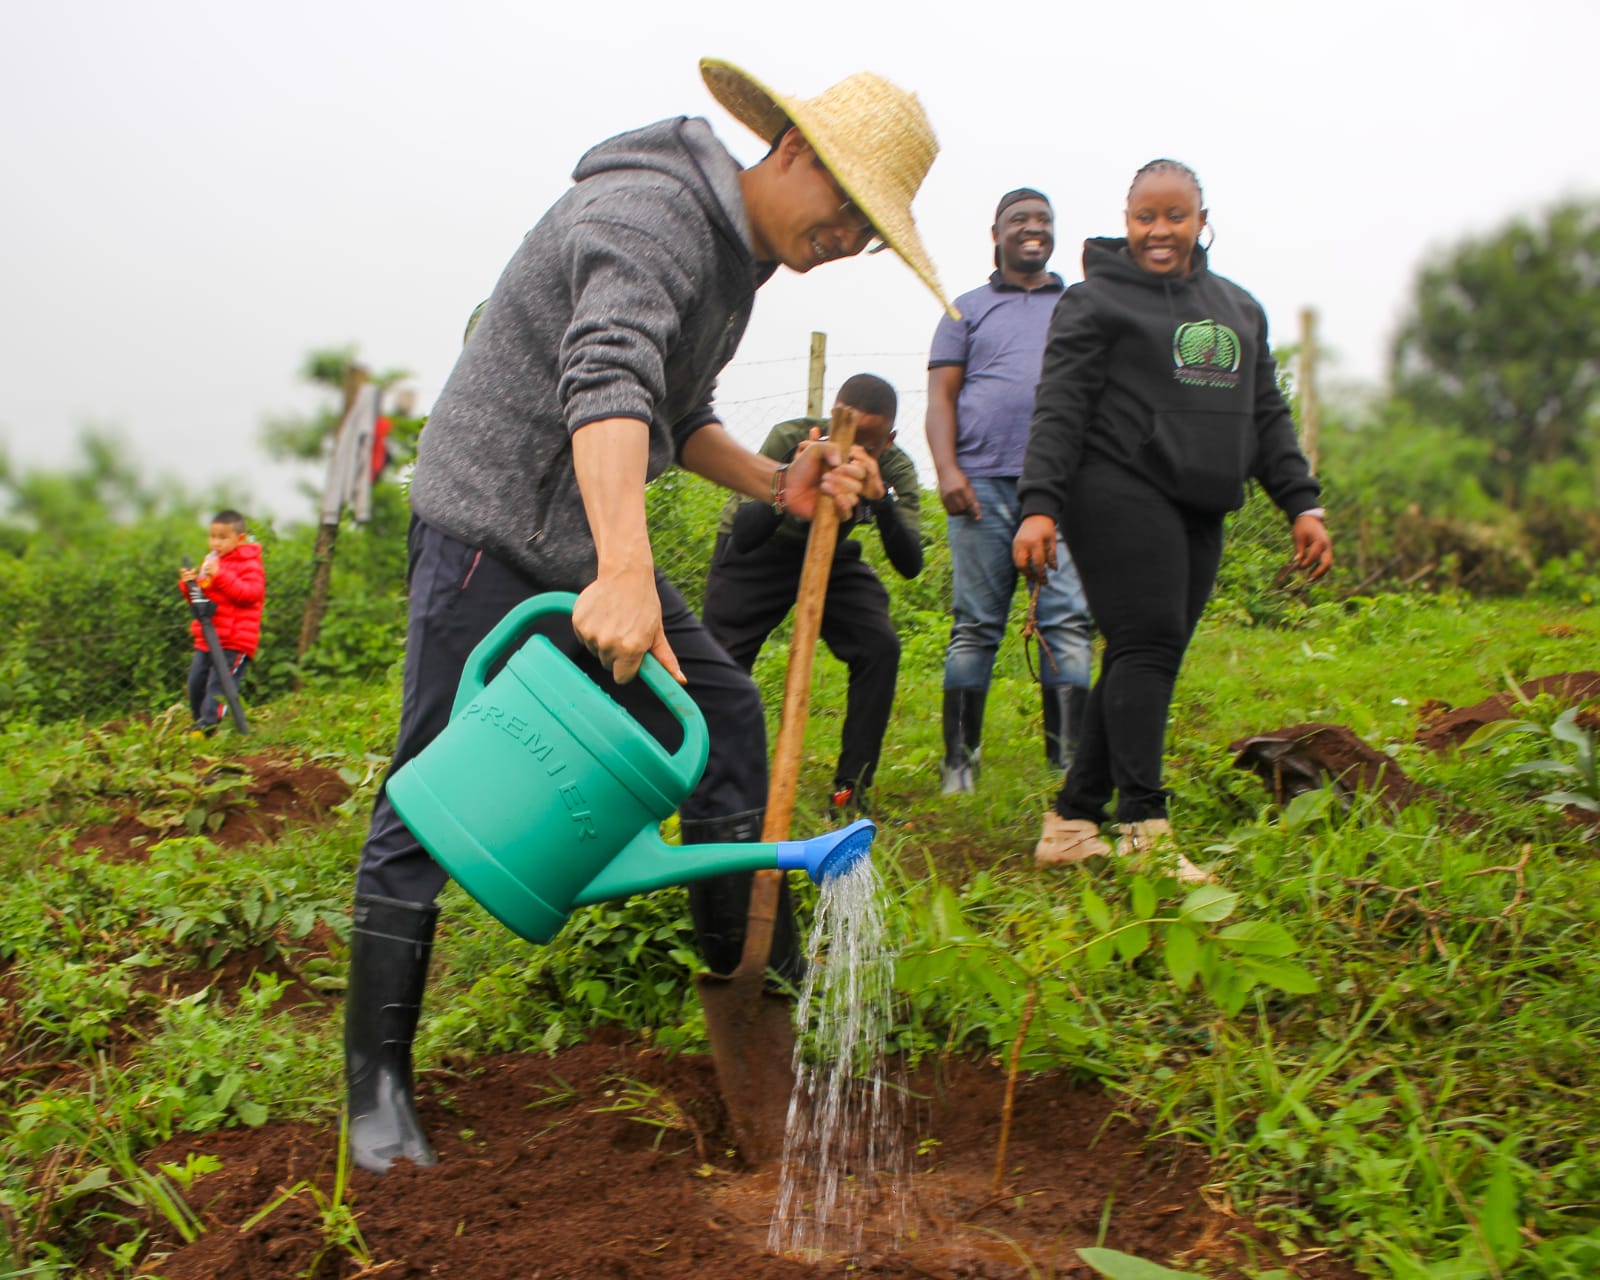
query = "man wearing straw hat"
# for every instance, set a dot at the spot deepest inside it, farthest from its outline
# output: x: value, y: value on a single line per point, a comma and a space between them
x: 590, y: 371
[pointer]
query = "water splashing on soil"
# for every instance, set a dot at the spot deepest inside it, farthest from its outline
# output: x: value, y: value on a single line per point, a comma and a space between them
x: 844, y: 1160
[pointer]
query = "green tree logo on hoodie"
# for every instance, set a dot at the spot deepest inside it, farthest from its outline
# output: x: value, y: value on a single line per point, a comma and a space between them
x: 1206, y: 354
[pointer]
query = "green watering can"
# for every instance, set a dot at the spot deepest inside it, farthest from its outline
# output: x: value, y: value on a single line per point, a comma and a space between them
x: 543, y: 793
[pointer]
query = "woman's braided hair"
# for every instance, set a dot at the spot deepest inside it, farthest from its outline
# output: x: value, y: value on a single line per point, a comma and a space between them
x: 1169, y: 166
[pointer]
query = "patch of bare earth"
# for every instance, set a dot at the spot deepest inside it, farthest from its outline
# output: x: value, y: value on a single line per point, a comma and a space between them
x: 1448, y: 727
x: 275, y: 795
x: 537, y: 1180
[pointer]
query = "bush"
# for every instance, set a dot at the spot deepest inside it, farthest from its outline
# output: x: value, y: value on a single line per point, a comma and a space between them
x: 103, y: 630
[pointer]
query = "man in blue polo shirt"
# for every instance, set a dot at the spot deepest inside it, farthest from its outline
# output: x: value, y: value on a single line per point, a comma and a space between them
x: 982, y: 372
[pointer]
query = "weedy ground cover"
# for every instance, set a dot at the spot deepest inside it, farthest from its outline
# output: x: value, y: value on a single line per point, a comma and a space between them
x: 1380, y: 1026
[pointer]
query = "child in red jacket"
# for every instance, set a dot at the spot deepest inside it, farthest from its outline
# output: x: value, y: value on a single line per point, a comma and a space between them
x: 235, y: 581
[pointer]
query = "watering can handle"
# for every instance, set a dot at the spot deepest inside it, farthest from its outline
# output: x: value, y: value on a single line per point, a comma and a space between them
x: 689, y: 759
x: 495, y: 646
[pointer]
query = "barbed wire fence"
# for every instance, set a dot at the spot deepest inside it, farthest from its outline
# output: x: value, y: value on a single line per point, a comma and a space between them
x: 110, y: 635
x: 107, y: 635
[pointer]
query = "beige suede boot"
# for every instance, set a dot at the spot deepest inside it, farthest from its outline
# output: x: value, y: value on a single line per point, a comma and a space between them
x: 1152, y: 842
x: 1068, y: 840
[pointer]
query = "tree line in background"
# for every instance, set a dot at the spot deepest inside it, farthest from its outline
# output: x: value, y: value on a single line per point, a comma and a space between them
x: 1477, y: 469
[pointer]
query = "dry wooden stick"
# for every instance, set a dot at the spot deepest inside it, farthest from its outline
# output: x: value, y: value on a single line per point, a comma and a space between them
x: 1011, y: 1085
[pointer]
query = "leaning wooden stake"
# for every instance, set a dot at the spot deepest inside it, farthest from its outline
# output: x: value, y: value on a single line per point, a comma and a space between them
x: 1011, y: 1087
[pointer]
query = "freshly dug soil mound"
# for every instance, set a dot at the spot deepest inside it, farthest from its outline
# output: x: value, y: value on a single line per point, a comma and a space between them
x: 1450, y: 728
x: 611, y: 1161
x: 274, y: 795
x: 1304, y: 757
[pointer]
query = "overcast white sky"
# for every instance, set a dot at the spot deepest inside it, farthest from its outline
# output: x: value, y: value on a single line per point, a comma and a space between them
x: 196, y: 194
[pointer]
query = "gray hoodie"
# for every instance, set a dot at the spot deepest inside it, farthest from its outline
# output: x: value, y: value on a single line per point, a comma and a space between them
x: 625, y: 301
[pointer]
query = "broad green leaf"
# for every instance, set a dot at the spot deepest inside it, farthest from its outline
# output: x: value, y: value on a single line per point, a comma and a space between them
x: 230, y: 1085
x: 1469, y: 1266
x: 1144, y: 897
x: 1004, y: 993
x: 253, y: 1114
x: 1285, y: 975
x: 1565, y: 729
x: 1497, y: 1214
x: 1182, y: 954
x: 1094, y: 906
x: 917, y: 970
x: 1542, y: 766
x: 1133, y: 942
x: 1222, y: 980
x: 1116, y: 1265
x: 1589, y: 803
x: 1208, y: 904
x: 1061, y: 1020
x: 97, y: 1179
x: 1097, y: 955
x: 1495, y: 729
x: 1307, y: 807
x: 946, y: 915
x: 1258, y: 938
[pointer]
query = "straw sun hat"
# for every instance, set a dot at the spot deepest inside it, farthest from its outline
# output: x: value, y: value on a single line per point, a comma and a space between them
x: 872, y: 136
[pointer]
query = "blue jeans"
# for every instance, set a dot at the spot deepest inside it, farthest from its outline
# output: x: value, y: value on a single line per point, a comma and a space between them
x: 206, y: 699
x: 985, y: 579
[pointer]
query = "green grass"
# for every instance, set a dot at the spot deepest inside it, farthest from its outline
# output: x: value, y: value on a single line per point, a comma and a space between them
x: 1383, y: 1031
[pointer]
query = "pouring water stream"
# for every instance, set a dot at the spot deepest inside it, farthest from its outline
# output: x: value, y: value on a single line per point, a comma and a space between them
x: 844, y: 1152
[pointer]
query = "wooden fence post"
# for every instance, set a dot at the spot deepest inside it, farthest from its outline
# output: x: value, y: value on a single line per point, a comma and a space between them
x: 819, y: 364
x: 1310, y: 416
x: 355, y: 377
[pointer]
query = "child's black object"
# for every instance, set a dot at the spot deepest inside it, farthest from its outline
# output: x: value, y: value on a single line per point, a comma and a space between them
x: 203, y: 608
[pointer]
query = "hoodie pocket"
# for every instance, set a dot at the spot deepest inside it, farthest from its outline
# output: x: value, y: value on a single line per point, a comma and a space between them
x: 1200, y: 458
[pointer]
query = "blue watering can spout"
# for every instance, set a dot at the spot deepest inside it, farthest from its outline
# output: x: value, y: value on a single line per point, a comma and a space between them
x: 831, y: 854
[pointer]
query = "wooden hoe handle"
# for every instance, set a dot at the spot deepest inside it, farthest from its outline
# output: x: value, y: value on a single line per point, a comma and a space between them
x: 787, y: 754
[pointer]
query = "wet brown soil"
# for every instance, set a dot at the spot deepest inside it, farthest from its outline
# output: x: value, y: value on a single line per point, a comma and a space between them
x: 608, y: 1160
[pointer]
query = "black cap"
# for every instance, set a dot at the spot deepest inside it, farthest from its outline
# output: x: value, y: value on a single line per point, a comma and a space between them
x: 1011, y: 197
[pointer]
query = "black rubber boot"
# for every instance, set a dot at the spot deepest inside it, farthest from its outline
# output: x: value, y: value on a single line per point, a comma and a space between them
x: 963, y: 734
x: 1064, y: 707
x: 720, y: 905
x: 389, y: 948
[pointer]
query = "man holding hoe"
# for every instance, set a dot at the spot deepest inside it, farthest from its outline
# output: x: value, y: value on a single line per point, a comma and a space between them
x: 590, y: 371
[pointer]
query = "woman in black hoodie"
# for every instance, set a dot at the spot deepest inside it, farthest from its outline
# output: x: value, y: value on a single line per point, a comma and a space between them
x: 1157, y: 401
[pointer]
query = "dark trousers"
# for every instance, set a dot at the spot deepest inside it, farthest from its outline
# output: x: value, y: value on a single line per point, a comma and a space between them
x: 747, y: 596
x: 206, y: 700
x: 1148, y: 566
x: 457, y: 595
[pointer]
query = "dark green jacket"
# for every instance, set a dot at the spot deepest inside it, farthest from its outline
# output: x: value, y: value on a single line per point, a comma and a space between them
x: 900, y: 510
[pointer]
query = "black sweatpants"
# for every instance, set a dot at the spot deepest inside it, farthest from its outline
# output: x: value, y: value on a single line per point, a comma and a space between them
x: 748, y: 595
x: 207, y: 702
x: 457, y: 595
x: 1147, y: 566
